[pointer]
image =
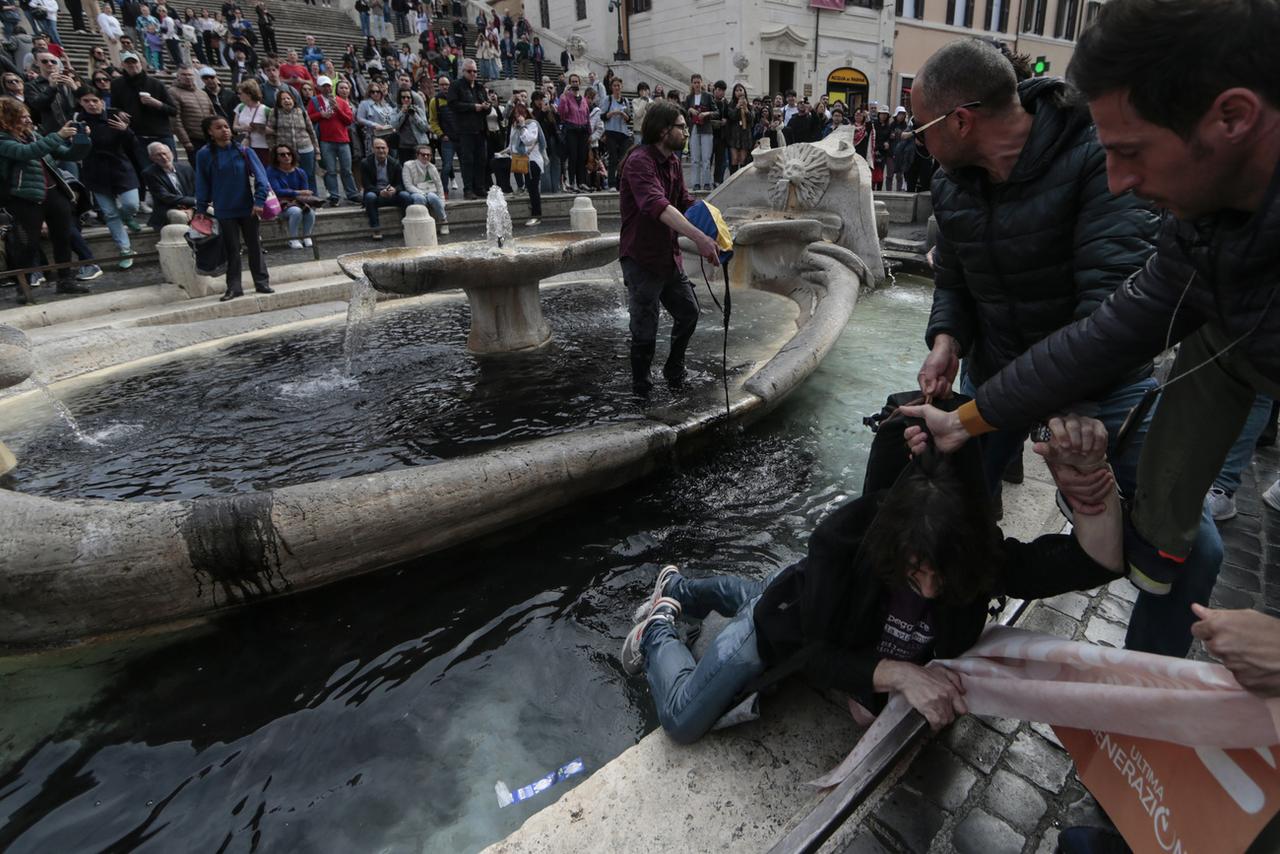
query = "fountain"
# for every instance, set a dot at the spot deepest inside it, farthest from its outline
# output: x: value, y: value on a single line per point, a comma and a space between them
x: 15, y: 367
x: 76, y: 567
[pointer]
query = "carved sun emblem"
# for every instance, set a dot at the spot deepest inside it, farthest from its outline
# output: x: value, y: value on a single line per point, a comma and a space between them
x: 803, y: 168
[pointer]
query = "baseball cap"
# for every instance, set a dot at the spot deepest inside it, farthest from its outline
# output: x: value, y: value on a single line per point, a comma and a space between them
x: 324, y: 81
x: 126, y: 56
x: 207, y: 72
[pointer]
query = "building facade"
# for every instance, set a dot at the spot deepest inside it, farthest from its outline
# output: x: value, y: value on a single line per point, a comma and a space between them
x: 769, y: 45
x: 1045, y: 29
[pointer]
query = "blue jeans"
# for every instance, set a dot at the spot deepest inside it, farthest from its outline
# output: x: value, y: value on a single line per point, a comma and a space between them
x: 1228, y: 480
x: 295, y: 216
x: 551, y: 177
x: 337, y: 156
x: 373, y: 201
x: 307, y: 160
x: 691, y: 696
x: 432, y: 201
x: 446, y: 162
x: 1158, y: 624
x: 116, y: 209
x: 10, y: 20
x: 508, y: 67
x: 700, y: 146
x: 364, y: 24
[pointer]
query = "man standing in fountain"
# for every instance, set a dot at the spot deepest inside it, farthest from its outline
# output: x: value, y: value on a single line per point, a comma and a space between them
x: 652, y: 200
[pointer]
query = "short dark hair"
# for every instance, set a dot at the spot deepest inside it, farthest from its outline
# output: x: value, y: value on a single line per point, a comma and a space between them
x: 720, y: 84
x: 1176, y: 56
x: 934, y: 515
x: 966, y: 70
x: 642, y: 86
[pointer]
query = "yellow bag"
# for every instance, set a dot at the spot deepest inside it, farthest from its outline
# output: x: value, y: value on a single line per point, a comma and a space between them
x: 519, y: 164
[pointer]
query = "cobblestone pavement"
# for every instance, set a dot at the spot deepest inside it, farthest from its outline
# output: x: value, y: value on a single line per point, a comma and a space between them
x: 991, y: 786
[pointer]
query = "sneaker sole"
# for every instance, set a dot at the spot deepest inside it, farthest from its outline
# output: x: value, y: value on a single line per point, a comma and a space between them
x: 646, y: 608
x: 1272, y: 501
x: 631, y: 656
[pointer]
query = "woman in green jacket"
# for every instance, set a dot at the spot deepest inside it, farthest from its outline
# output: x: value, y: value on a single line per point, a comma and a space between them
x: 34, y: 191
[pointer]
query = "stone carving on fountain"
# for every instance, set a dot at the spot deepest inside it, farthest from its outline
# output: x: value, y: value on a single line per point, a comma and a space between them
x: 824, y: 182
x: 15, y: 366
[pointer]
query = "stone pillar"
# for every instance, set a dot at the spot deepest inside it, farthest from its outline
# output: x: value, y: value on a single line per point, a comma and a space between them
x: 582, y: 216
x: 882, y: 219
x: 178, y: 263
x: 419, y: 227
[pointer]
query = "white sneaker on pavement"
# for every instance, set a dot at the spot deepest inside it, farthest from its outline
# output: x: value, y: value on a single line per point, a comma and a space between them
x: 665, y: 610
x: 1221, y: 506
x: 1272, y: 496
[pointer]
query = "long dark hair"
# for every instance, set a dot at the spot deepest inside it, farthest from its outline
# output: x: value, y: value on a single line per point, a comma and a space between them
x: 934, y: 516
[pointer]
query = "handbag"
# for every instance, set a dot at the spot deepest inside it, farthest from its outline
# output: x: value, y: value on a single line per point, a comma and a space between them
x: 519, y: 164
x: 271, y: 207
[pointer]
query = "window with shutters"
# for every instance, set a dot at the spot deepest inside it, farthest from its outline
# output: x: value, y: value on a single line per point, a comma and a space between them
x: 1033, y: 14
x: 997, y: 17
x: 960, y: 13
x: 910, y: 9
x: 582, y: 9
x: 1091, y: 10
x: 640, y: 5
x: 544, y: 12
x: 1064, y: 23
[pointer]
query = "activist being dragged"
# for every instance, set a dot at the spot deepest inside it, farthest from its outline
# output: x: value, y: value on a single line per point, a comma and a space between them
x: 652, y: 202
x: 893, y: 579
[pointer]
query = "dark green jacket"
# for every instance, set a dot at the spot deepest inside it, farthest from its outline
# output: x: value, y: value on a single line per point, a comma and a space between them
x: 1019, y: 260
x: 20, y: 172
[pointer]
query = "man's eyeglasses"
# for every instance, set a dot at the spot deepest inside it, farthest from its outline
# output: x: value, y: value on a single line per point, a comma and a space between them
x: 919, y: 132
x: 48, y: 62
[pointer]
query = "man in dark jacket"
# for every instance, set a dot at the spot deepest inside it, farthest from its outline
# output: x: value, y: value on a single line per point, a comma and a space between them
x: 861, y: 613
x: 149, y: 107
x: 380, y: 175
x: 1208, y: 156
x: 1030, y: 240
x: 468, y: 103
x: 172, y: 185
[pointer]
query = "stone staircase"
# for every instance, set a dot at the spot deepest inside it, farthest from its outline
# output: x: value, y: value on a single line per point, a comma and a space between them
x: 333, y: 28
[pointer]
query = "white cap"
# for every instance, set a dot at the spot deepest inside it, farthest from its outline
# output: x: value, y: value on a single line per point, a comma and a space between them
x: 323, y: 82
x: 901, y: 109
x: 208, y: 72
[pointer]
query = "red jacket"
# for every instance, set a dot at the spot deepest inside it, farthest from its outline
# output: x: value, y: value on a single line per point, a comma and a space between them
x: 333, y: 128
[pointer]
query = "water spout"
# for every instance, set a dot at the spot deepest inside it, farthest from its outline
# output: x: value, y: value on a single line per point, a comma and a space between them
x: 64, y: 412
x: 364, y: 299
x: 497, y: 224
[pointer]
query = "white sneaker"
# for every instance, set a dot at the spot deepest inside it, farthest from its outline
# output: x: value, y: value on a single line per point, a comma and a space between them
x: 665, y: 610
x: 531, y: 223
x: 444, y: 227
x: 306, y: 241
x: 1221, y: 506
x: 295, y: 244
x: 1272, y: 496
x: 668, y: 572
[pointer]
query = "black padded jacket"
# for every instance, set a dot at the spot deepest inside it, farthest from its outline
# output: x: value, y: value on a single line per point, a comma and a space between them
x: 1018, y: 260
x: 1224, y: 269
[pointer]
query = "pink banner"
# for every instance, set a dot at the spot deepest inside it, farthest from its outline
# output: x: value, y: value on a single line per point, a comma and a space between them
x: 1123, y: 703
x: 837, y: 5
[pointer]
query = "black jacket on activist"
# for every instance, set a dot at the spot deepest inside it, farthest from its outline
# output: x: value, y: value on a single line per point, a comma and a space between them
x: 1018, y: 260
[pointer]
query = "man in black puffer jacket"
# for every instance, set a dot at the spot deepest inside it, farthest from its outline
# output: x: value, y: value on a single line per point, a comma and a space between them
x: 1208, y: 154
x: 1031, y: 240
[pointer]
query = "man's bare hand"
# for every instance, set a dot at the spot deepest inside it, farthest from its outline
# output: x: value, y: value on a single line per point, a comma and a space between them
x: 1246, y: 642
x: 940, y: 367
x: 1076, y: 454
x: 935, y: 692
x: 707, y: 248
x: 945, y: 429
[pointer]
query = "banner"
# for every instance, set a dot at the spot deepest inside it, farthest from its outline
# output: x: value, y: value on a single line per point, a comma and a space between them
x: 837, y: 5
x: 1179, y: 755
x: 1169, y: 798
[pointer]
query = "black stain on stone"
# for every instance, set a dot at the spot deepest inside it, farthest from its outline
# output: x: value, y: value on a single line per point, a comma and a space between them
x: 233, y: 548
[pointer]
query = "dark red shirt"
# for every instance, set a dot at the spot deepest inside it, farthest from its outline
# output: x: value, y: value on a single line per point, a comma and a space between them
x: 650, y: 183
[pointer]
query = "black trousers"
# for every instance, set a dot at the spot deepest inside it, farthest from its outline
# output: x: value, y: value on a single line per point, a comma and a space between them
x: 232, y: 231
x: 575, y: 158
x: 269, y: 44
x: 55, y: 211
x: 646, y: 290
x: 533, y: 183
x: 471, y: 149
x: 615, y: 146
x: 76, y: 8
x: 717, y: 157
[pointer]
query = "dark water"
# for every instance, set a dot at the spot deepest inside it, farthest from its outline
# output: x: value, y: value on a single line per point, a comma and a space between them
x: 376, y: 715
x: 278, y: 411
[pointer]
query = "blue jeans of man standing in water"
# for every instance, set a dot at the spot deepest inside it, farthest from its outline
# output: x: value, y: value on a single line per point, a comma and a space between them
x: 1158, y: 624
x: 691, y: 696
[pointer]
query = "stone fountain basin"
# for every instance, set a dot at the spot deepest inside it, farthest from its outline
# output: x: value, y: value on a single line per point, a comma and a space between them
x: 413, y: 270
x: 75, y: 569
